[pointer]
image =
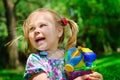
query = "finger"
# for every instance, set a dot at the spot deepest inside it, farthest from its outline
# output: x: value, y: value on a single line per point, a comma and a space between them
x: 93, y: 78
x: 96, y: 75
x: 85, y: 77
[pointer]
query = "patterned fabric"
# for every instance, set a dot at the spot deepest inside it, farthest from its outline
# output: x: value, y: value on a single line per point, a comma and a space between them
x: 38, y: 62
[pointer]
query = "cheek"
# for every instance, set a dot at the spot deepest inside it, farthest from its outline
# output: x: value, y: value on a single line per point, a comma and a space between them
x: 30, y: 37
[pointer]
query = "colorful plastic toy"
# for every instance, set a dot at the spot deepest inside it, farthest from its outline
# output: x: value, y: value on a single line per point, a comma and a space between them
x: 79, y: 61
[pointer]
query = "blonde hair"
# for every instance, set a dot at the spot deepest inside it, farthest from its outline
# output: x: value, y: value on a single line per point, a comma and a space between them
x: 73, y: 28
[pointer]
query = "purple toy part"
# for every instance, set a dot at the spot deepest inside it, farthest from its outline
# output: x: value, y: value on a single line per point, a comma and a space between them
x: 75, y: 74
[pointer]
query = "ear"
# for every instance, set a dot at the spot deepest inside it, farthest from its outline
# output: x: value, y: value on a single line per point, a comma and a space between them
x: 60, y: 31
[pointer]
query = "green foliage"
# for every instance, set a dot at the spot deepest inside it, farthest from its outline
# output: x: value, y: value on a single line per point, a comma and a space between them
x: 98, y: 21
x: 3, y: 30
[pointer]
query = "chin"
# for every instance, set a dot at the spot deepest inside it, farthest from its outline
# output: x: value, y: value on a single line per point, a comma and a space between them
x: 42, y: 48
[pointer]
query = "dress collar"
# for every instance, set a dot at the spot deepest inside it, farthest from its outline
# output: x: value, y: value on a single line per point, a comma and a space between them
x: 43, y: 53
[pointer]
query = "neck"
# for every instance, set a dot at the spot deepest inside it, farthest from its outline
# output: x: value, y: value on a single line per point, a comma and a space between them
x: 56, y: 54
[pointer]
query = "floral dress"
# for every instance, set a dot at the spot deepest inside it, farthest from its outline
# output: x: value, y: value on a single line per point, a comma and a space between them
x: 38, y: 62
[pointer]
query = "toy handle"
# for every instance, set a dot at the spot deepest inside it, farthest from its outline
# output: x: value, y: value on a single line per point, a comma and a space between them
x: 75, y: 74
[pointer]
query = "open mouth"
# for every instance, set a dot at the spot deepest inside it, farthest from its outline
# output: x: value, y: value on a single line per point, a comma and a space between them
x: 39, y: 39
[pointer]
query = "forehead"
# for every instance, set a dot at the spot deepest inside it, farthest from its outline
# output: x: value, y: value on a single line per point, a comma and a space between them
x: 40, y: 15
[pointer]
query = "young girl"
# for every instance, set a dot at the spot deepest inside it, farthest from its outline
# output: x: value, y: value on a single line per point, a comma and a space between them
x: 44, y: 32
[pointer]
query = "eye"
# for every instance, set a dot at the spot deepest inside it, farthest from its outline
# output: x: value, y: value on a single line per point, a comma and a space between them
x: 42, y: 25
x: 32, y: 29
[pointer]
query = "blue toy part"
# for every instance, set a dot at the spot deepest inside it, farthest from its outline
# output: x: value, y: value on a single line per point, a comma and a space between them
x: 73, y: 59
x: 89, y: 58
x: 68, y: 54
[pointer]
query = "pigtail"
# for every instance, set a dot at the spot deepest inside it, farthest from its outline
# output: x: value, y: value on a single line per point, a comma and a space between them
x: 72, y: 35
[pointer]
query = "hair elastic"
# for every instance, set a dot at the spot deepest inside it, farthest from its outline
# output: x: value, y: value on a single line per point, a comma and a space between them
x: 64, y: 21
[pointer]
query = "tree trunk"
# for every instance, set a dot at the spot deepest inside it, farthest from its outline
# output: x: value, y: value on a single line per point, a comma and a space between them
x: 11, y: 27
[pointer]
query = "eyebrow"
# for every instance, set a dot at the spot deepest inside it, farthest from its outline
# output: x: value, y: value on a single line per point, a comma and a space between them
x: 30, y: 25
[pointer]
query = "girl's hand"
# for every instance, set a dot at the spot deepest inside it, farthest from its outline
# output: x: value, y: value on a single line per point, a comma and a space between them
x: 92, y: 76
x: 95, y: 76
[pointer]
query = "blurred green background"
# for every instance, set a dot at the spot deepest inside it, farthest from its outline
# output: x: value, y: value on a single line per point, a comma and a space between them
x: 99, y: 30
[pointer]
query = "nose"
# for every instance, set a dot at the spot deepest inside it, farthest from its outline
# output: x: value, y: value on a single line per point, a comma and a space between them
x: 37, y: 31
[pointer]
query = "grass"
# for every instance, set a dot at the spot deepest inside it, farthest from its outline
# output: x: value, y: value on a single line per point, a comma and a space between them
x: 107, y: 65
x: 11, y: 75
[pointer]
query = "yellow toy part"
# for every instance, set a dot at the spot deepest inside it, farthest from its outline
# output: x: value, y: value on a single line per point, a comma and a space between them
x: 80, y: 64
x: 69, y: 68
x: 76, y: 53
x: 84, y: 49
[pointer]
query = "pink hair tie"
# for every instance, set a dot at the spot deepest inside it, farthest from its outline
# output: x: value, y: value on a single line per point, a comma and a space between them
x: 64, y: 21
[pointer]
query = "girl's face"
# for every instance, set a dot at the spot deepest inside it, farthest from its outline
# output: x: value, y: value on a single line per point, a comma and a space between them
x: 43, y: 32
